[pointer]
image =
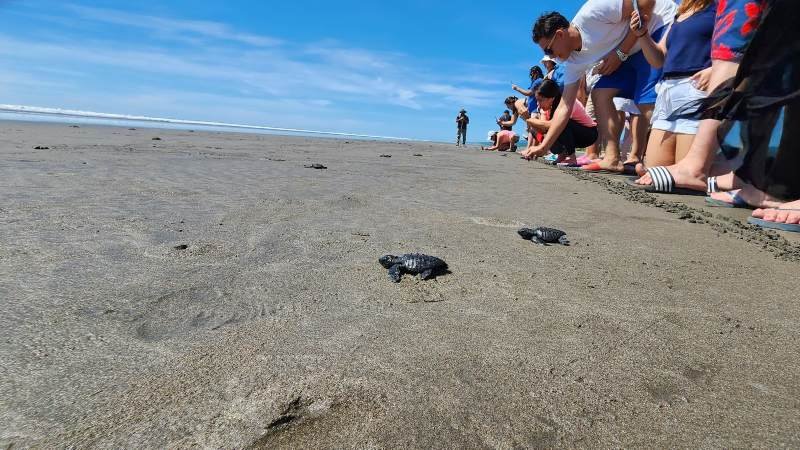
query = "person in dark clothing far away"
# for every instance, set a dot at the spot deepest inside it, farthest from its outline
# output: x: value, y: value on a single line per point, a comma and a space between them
x: 462, y: 121
x: 506, y: 117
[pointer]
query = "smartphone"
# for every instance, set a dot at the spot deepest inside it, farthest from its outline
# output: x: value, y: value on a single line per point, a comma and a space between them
x: 636, y: 8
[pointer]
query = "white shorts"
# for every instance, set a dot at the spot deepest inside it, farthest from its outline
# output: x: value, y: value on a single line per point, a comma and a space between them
x: 672, y: 95
x: 626, y: 105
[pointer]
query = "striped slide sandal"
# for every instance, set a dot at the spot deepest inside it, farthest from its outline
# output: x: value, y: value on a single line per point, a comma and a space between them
x: 663, y: 183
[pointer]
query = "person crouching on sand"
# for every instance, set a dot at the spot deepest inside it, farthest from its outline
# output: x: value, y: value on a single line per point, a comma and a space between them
x: 580, y: 132
x: 506, y: 140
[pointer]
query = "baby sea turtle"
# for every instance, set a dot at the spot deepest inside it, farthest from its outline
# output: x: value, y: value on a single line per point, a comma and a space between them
x: 315, y: 166
x: 413, y: 263
x: 544, y: 235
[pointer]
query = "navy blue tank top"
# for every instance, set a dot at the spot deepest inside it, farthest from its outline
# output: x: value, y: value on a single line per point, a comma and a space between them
x: 689, y: 44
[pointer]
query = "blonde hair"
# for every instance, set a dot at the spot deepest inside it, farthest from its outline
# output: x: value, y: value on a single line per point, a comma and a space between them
x: 693, y: 6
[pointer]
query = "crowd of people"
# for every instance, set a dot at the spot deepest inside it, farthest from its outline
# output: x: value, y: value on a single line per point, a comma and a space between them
x: 677, y: 79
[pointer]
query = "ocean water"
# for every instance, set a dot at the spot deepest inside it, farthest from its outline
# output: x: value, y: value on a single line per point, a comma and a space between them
x: 54, y: 115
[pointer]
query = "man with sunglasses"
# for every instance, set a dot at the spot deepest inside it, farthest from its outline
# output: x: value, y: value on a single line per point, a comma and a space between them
x: 601, y: 32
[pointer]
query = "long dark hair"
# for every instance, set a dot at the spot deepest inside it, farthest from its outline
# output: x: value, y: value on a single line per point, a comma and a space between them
x: 511, y: 103
x: 536, y: 73
x: 550, y: 89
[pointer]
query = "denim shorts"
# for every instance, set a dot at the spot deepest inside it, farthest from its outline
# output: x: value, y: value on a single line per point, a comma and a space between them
x: 674, y: 94
x: 635, y: 79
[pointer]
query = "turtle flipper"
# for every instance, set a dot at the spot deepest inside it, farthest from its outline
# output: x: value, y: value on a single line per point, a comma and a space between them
x: 563, y: 240
x: 426, y: 274
x: 538, y: 241
x: 395, y: 273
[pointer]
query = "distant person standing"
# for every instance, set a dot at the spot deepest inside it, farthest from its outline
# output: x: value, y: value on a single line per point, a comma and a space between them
x: 462, y: 121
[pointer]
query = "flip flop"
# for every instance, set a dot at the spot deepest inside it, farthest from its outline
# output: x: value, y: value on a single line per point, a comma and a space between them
x: 663, y: 183
x: 790, y: 227
x: 736, y: 201
x: 595, y: 168
x: 568, y: 165
x: 629, y: 168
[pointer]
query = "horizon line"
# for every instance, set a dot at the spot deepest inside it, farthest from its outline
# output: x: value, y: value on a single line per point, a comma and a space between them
x: 98, y: 115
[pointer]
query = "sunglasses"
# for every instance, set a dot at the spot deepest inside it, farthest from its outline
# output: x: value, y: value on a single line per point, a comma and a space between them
x: 548, y: 50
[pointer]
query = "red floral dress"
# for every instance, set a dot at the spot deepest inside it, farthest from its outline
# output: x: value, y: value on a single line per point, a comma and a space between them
x: 735, y: 23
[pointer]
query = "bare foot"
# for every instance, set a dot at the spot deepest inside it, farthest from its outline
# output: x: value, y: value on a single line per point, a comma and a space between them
x: 786, y: 213
x: 612, y: 165
x: 685, y: 177
x: 751, y: 196
x: 632, y: 162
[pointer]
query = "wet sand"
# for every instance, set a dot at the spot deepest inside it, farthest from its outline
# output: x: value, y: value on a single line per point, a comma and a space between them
x: 208, y: 290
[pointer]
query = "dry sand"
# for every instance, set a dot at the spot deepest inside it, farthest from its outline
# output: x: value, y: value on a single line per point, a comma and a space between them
x: 276, y: 327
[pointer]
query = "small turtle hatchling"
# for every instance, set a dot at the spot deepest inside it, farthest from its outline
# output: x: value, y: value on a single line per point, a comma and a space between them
x: 544, y: 235
x: 414, y: 263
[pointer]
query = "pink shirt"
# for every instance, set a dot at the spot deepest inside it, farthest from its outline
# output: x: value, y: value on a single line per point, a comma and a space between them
x: 580, y: 115
x: 505, y: 137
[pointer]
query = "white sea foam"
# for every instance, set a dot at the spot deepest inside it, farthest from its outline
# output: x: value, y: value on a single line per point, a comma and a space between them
x: 69, y: 113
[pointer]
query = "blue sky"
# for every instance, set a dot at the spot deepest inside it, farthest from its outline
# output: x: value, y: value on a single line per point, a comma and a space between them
x: 397, y: 69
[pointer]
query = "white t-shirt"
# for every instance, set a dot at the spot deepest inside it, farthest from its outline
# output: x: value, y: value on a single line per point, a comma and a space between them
x: 602, y: 29
x: 591, y: 78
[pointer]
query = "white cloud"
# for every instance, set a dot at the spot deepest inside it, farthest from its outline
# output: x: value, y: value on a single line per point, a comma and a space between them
x: 226, y: 74
x: 173, y: 27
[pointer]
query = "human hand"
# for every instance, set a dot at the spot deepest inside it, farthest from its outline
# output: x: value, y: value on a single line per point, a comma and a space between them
x: 535, y: 151
x: 702, y: 79
x: 609, y: 65
x: 639, y: 24
x: 522, y: 108
x: 515, y: 87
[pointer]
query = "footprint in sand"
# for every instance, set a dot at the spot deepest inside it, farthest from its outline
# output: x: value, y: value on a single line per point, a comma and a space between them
x: 497, y: 223
x: 190, y: 311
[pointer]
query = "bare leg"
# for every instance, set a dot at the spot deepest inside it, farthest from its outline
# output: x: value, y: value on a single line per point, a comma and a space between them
x: 609, y: 127
x: 626, y: 136
x: 661, y: 149
x: 640, y: 126
x: 593, y: 151
x: 692, y: 171
x: 683, y: 142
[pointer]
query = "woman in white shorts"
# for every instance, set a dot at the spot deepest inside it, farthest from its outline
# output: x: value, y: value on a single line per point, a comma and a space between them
x: 684, y: 53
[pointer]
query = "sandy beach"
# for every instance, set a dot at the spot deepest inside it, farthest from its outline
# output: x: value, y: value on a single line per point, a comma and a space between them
x: 208, y: 290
